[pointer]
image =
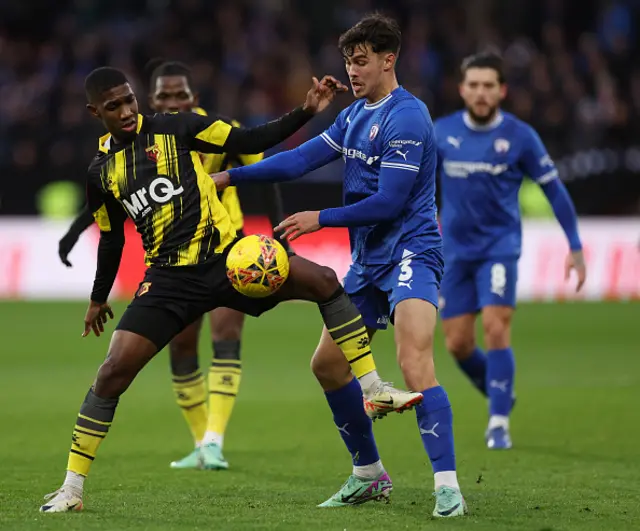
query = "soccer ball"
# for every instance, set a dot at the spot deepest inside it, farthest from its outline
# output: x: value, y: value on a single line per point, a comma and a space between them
x: 257, y: 266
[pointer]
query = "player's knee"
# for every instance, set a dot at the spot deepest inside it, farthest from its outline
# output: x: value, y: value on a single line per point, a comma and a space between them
x: 227, y: 331
x: 497, y: 332
x: 327, y: 282
x: 460, y: 345
x: 114, y: 377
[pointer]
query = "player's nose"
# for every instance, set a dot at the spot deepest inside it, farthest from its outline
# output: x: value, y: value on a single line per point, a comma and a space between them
x: 127, y: 112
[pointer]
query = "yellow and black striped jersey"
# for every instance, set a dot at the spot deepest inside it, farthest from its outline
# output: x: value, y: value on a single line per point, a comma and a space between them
x: 216, y: 162
x: 159, y: 180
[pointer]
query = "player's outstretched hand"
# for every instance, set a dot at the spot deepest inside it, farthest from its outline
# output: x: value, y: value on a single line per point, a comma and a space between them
x: 322, y: 93
x: 301, y: 223
x: 65, y: 245
x: 221, y: 180
x: 96, y: 317
x: 575, y: 260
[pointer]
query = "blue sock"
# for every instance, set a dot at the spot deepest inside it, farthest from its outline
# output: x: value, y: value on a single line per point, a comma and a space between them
x: 501, y: 370
x: 475, y: 367
x: 435, y: 421
x: 353, y: 424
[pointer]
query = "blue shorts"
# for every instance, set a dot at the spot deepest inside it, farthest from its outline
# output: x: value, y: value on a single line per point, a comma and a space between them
x: 376, y: 290
x: 469, y: 286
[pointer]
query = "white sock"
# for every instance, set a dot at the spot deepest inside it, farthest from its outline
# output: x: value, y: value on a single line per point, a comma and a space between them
x: 74, y: 480
x: 369, y: 380
x: 211, y: 437
x: 446, y: 479
x: 372, y: 471
x: 498, y: 421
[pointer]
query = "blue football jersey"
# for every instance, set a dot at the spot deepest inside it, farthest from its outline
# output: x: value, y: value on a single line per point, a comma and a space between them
x: 395, y: 133
x: 481, y: 169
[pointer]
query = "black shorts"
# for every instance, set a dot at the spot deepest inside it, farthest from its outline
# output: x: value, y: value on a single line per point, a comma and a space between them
x: 171, y: 298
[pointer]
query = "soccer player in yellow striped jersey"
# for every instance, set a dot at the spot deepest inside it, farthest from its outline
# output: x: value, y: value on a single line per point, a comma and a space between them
x: 171, y: 90
x: 206, y: 408
x: 148, y: 168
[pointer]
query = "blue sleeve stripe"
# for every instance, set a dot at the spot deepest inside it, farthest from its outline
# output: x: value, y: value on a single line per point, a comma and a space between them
x: 547, y: 177
x: 399, y: 166
x: 331, y: 142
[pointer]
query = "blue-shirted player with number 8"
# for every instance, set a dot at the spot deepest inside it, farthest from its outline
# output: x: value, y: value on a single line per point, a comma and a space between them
x: 483, y: 156
x: 387, y: 141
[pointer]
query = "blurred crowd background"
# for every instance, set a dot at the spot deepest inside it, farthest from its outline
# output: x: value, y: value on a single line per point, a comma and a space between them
x: 572, y: 69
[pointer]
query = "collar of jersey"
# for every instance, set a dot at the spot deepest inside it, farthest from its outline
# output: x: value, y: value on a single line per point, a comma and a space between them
x: 487, y: 127
x: 104, y: 143
x: 378, y: 104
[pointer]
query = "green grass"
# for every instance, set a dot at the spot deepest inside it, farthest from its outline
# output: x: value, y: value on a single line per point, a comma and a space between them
x: 576, y: 430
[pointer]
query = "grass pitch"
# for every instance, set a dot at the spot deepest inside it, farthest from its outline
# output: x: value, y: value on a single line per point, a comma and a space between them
x: 576, y: 430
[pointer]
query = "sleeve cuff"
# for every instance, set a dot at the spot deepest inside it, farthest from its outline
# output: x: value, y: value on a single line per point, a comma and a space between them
x: 325, y: 218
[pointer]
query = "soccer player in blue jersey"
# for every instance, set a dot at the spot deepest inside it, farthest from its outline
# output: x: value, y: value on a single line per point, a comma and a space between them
x: 483, y: 156
x: 387, y: 141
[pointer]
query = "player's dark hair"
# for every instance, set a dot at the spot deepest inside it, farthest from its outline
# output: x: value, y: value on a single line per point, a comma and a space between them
x: 377, y: 30
x: 101, y: 80
x: 484, y: 60
x: 170, y: 68
x: 147, y: 69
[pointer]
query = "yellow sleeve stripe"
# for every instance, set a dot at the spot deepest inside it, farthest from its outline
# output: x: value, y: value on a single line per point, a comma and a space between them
x: 102, y: 219
x: 216, y: 134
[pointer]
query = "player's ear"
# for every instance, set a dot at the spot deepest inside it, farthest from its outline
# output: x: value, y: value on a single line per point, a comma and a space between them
x: 93, y: 110
x: 150, y: 102
x: 196, y: 99
x: 390, y: 61
x: 503, y: 91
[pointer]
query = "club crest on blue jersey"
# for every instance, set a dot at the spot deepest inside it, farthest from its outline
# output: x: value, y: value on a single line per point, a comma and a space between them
x: 501, y: 145
x: 374, y: 132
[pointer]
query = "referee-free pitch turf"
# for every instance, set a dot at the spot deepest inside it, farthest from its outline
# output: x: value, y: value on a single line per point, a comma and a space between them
x: 575, y: 462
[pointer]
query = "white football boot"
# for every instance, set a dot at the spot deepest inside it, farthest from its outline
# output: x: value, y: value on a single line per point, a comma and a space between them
x: 64, y: 500
x: 382, y: 398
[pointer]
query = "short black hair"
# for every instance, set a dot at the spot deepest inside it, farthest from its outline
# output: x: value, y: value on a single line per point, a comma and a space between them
x: 170, y: 68
x: 484, y: 60
x: 101, y: 80
x: 147, y: 69
x: 381, y: 32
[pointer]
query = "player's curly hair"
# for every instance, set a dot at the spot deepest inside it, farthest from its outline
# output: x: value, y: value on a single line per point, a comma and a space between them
x: 101, y: 80
x: 488, y: 59
x: 381, y: 32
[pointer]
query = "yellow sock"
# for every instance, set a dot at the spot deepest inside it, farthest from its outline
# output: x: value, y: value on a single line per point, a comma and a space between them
x: 224, y: 381
x: 355, y: 346
x: 347, y: 329
x: 191, y: 395
x: 92, y: 425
